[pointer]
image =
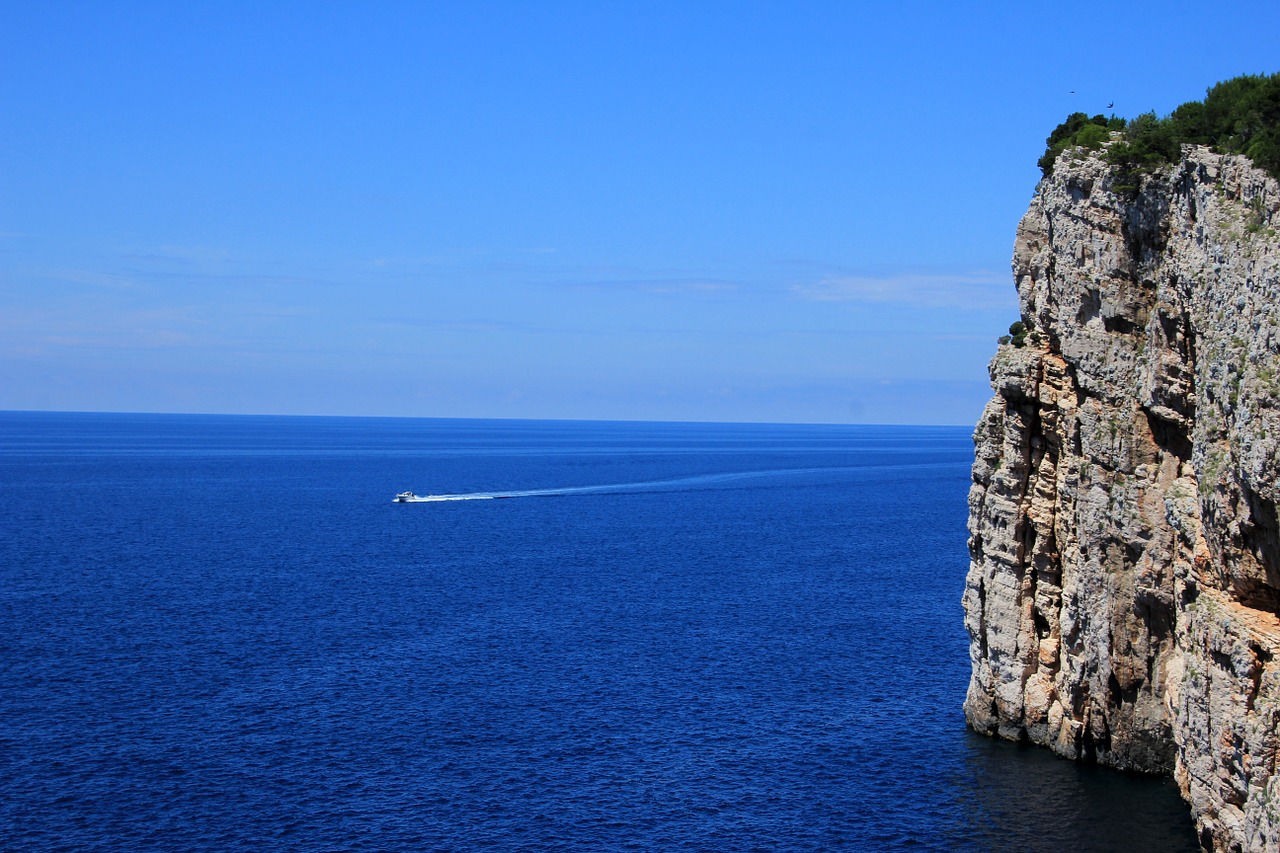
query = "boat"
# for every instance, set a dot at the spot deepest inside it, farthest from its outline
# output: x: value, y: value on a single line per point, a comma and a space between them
x: 405, y: 497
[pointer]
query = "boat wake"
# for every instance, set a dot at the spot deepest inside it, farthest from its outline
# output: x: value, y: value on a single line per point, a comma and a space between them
x: 701, y: 481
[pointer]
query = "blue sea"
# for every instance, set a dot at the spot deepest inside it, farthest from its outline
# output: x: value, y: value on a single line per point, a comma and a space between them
x: 219, y: 633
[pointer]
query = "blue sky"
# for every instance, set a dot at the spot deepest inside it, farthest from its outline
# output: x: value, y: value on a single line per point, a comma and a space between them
x: 785, y: 212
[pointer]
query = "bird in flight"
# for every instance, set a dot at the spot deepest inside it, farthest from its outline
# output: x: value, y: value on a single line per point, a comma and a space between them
x: 1110, y: 105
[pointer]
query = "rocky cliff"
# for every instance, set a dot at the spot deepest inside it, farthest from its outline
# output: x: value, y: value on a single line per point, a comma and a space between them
x: 1123, y: 598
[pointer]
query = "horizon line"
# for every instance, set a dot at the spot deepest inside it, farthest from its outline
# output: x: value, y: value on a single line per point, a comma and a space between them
x: 472, y: 418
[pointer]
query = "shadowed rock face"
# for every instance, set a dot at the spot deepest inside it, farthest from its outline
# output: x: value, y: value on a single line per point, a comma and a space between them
x: 1123, y: 597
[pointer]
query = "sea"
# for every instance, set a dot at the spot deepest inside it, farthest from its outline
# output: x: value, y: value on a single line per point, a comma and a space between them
x: 220, y: 633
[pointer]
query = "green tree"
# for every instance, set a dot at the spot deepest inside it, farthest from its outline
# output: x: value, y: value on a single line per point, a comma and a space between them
x: 1237, y: 116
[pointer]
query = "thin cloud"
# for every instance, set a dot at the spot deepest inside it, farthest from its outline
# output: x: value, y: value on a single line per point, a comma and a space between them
x: 981, y: 291
x: 105, y: 328
x: 235, y: 279
x: 128, y: 278
x: 466, y: 326
x: 102, y: 326
x: 659, y: 285
x: 463, y: 255
x: 180, y: 254
x: 505, y: 327
x: 90, y: 278
x: 156, y: 339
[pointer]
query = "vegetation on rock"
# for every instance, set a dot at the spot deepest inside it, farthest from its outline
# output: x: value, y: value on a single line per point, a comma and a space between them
x: 1018, y: 333
x: 1237, y: 116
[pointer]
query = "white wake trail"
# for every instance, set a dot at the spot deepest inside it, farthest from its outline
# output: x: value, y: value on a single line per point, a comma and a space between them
x: 619, y: 488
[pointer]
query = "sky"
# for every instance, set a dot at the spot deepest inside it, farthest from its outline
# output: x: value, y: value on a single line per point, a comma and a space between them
x: 777, y: 212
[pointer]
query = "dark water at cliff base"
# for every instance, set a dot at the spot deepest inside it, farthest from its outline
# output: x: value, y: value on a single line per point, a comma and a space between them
x: 221, y: 634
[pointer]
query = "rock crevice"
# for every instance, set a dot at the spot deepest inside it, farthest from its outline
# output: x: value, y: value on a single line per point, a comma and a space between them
x: 1123, y: 598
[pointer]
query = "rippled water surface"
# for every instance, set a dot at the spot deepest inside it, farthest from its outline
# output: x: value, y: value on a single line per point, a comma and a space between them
x: 221, y: 634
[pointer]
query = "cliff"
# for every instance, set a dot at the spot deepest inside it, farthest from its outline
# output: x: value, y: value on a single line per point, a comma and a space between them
x: 1123, y: 597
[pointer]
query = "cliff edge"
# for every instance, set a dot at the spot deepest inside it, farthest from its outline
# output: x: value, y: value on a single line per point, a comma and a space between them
x: 1123, y: 599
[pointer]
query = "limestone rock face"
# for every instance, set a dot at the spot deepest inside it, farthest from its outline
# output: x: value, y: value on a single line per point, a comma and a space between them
x: 1123, y: 597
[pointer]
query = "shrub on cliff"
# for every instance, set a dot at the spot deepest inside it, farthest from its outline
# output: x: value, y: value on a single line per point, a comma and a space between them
x: 1018, y: 334
x: 1237, y: 116
x: 1078, y: 129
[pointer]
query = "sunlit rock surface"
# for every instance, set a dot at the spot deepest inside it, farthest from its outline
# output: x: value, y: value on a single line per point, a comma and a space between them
x: 1123, y: 594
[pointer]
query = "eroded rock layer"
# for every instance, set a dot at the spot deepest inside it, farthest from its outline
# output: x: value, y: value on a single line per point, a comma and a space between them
x: 1124, y: 588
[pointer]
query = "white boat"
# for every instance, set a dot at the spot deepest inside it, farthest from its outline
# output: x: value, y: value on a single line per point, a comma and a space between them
x: 405, y: 497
